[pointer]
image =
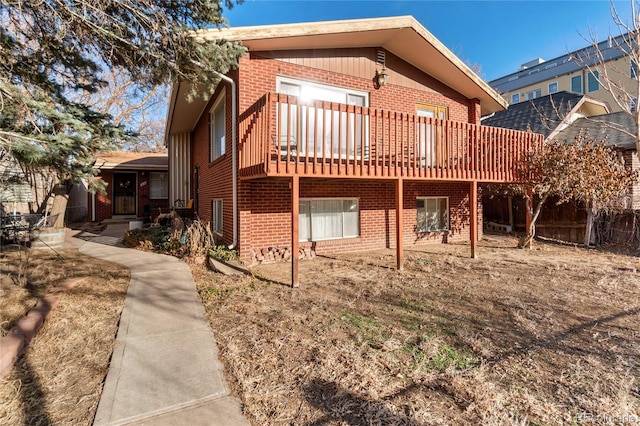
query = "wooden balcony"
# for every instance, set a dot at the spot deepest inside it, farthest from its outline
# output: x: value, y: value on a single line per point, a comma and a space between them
x: 280, y: 136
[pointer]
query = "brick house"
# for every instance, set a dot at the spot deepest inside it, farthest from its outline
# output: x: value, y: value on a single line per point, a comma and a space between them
x: 136, y: 183
x: 349, y: 135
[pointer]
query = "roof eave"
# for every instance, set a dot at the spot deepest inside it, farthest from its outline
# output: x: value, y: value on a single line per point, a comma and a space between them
x: 399, y: 35
x: 564, y: 124
x: 119, y: 166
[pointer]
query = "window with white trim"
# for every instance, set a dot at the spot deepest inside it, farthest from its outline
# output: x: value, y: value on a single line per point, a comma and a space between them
x: 553, y: 87
x: 534, y: 94
x: 323, y: 132
x: 633, y: 69
x: 216, y: 217
x: 158, y: 185
x: 515, y: 98
x: 327, y: 219
x: 432, y: 214
x: 217, y: 128
x: 593, y: 81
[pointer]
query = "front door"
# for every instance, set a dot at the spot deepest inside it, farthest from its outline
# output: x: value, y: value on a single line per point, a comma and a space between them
x: 430, y: 147
x: 124, y: 193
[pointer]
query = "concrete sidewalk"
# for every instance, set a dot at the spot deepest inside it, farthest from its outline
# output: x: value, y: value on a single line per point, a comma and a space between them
x: 165, y: 368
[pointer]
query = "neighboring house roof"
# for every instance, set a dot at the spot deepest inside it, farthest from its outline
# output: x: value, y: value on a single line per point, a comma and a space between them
x: 603, y: 127
x: 403, y: 36
x: 546, y: 115
x: 122, y: 160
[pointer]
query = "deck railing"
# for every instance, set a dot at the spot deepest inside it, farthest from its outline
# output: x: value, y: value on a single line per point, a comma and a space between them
x: 279, y: 136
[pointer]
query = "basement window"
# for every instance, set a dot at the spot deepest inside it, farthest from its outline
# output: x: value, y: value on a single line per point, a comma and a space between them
x: 432, y: 214
x: 328, y: 219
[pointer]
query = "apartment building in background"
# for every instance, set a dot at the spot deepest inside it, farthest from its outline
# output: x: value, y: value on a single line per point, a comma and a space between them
x: 539, y: 78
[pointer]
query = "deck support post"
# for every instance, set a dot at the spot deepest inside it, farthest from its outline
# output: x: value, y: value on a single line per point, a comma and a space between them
x: 473, y: 218
x: 527, y: 211
x: 399, y: 211
x: 295, y: 231
x: 510, y: 208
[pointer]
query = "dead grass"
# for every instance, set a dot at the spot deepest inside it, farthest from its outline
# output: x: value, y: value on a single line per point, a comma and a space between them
x: 547, y: 336
x: 59, y: 378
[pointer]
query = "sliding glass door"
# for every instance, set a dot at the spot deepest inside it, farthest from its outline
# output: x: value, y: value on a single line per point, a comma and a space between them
x: 317, y: 130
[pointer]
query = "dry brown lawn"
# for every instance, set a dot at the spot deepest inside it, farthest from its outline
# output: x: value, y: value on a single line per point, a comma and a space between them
x: 548, y: 336
x: 58, y: 380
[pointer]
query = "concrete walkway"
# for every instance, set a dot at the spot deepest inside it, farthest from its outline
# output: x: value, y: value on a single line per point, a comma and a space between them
x: 165, y: 368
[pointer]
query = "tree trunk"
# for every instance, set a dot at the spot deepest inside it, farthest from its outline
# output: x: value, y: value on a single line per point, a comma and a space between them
x: 527, y: 240
x: 59, y: 207
x: 589, y: 228
x: 510, y: 207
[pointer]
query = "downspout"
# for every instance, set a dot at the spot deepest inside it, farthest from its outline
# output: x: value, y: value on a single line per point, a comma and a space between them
x: 234, y: 156
x: 93, y: 206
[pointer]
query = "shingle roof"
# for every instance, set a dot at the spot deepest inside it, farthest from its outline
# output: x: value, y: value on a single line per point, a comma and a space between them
x: 131, y: 160
x: 541, y: 115
x: 603, y: 127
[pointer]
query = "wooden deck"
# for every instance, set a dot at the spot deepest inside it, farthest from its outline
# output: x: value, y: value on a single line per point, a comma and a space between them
x: 281, y: 137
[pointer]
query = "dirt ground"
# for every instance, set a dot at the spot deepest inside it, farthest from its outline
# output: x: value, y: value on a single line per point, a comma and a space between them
x: 58, y: 380
x: 548, y: 336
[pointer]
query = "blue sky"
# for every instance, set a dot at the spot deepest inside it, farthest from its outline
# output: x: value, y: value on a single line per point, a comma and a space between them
x: 498, y: 35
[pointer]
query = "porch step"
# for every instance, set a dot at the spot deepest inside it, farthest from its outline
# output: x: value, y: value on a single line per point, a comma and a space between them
x: 119, y: 219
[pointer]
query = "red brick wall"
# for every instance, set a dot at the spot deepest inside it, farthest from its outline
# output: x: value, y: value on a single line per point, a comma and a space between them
x: 258, y: 76
x: 264, y: 205
x: 475, y: 112
x: 144, y: 191
x: 266, y: 214
x: 215, y: 178
x: 104, y: 202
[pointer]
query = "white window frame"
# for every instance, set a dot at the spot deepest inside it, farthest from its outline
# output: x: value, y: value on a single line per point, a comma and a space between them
x: 427, y: 229
x: 164, y: 189
x: 309, y: 220
x: 535, y: 93
x: 593, y: 77
x: 217, y: 214
x: 515, y: 98
x: 555, y: 83
x: 217, y: 148
x: 300, y: 82
x: 348, y: 145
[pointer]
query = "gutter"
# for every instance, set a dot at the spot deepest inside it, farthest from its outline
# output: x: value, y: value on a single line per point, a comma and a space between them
x: 234, y: 155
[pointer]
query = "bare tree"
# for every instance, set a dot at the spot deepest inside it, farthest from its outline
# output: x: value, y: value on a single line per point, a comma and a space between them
x: 584, y: 170
x: 140, y: 109
x: 612, y: 79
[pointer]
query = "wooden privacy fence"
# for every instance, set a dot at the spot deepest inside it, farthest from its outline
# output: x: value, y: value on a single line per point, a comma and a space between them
x: 280, y: 136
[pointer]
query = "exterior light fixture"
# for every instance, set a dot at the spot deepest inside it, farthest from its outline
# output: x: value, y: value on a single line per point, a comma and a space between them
x: 382, y: 77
